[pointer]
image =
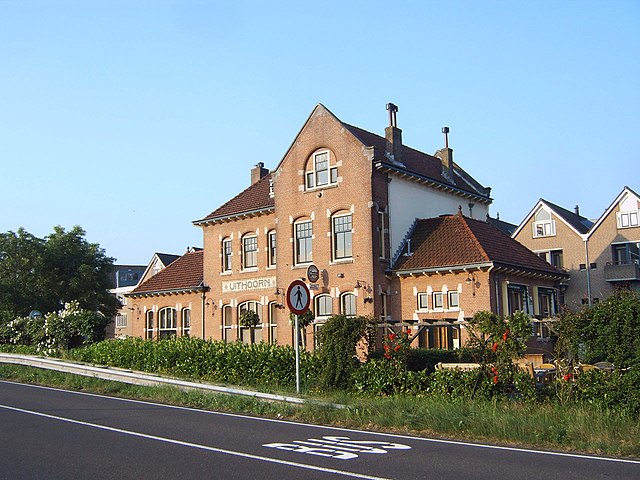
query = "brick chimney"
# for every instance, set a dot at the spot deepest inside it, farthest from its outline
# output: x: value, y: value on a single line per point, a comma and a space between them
x: 446, y: 156
x: 393, y: 136
x: 258, y: 172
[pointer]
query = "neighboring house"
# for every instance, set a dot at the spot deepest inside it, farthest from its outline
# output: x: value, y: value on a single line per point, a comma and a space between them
x: 126, y: 278
x: 342, y: 199
x: 558, y: 236
x: 452, y: 267
x: 599, y: 257
x: 164, y: 304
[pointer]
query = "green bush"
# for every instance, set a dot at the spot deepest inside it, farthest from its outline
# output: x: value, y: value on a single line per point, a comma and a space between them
x: 259, y: 364
x: 381, y: 377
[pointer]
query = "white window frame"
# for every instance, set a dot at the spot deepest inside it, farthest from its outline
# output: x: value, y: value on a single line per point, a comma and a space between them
x: 273, y: 322
x: 227, y: 254
x: 423, y: 301
x: 351, y: 302
x: 167, y: 322
x: 227, y: 323
x: 250, y: 257
x: 450, y: 304
x: 121, y: 320
x: 345, y: 237
x: 308, y: 240
x: 254, y: 306
x: 148, y: 325
x: 434, y: 296
x: 271, y: 248
x: 628, y: 219
x: 544, y: 225
x: 312, y: 175
x: 186, y: 322
x: 323, y: 301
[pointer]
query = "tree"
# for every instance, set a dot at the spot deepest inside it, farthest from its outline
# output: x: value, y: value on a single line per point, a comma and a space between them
x: 608, y: 331
x: 45, y: 274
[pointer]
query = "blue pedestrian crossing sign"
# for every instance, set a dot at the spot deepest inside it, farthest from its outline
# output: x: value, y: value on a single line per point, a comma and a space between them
x: 298, y: 297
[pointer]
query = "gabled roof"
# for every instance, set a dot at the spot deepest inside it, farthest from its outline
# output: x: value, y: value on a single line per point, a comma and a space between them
x: 184, y: 274
x: 618, y: 199
x: 255, y: 199
x: 579, y: 224
x: 167, y: 258
x: 421, y: 166
x: 455, y: 241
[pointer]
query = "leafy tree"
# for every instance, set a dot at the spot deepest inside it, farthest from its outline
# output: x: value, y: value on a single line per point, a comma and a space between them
x: 45, y: 274
x: 608, y: 331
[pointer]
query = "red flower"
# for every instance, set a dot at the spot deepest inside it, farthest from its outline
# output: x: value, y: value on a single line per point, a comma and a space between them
x: 505, y: 335
x: 495, y: 379
x: 494, y: 370
x: 567, y: 377
x: 386, y: 347
x: 494, y: 347
x: 408, y: 331
x: 397, y: 347
x: 392, y: 336
x: 387, y: 356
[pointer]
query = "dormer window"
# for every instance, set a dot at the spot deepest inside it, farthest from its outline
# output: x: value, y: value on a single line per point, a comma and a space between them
x: 319, y: 171
x: 544, y: 225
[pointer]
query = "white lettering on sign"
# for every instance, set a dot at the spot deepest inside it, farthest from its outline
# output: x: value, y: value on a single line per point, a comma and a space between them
x: 249, y: 284
x: 341, y: 448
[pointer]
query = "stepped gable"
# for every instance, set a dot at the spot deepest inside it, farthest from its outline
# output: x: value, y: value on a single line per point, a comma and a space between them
x: 185, y: 273
x: 254, y: 198
x: 455, y: 240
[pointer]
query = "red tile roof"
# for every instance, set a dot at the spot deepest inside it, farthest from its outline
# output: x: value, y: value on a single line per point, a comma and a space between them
x: 255, y: 198
x: 456, y: 241
x: 185, y: 273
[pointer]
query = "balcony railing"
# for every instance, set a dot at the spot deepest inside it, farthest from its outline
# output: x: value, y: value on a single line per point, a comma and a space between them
x: 621, y: 272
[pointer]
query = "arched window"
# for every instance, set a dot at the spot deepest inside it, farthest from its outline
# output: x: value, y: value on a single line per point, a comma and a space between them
x: 250, y: 334
x: 167, y: 323
x: 320, y: 172
x: 348, y: 304
x: 148, y: 328
x: 186, y: 322
x: 227, y: 324
x: 341, y: 230
x: 323, y: 306
x: 271, y: 248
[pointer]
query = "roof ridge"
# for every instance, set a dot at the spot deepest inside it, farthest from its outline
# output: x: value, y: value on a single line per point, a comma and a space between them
x: 475, y: 240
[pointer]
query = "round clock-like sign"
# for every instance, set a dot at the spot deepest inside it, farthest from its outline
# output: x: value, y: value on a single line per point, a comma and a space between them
x: 313, y: 274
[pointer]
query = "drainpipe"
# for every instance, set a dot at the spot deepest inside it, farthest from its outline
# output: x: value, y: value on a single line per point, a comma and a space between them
x: 586, y: 255
x: 203, y: 312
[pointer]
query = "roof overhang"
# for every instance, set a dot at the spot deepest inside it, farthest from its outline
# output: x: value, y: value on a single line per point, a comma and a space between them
x: 443, y: 270
x: 412, y: 176
x: 162, y: 293
x: 235, y: 216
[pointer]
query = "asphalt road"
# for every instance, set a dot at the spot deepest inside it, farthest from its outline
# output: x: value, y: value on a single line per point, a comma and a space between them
x: 55, y: 434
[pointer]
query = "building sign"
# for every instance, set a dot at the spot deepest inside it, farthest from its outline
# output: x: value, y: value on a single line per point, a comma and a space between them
x: 261, y: 283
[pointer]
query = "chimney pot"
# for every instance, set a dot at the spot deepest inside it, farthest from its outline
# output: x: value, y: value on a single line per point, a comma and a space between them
x: 393, y: 136
x: 578, y: 210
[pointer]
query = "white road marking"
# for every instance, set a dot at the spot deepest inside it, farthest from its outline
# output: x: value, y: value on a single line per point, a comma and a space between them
x: 350, y: 430
x: 195, y: 445
x: 341, y: 448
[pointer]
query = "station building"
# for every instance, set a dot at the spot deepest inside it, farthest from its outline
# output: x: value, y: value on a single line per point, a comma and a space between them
x: 353, y: 204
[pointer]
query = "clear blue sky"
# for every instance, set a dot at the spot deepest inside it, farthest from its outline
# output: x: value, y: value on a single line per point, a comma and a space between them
x: 133, y: 118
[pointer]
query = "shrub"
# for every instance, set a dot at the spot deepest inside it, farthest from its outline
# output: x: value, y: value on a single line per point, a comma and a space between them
x: 337, y: 353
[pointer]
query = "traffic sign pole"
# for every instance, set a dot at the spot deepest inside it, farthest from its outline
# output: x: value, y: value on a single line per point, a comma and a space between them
x: 298, y: 299
x: 297, y: 355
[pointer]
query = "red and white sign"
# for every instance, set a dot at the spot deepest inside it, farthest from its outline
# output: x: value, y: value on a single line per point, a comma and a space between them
x: 298, y: 297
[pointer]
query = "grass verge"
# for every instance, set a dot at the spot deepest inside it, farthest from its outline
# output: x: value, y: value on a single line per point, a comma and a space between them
x: 578, y: 428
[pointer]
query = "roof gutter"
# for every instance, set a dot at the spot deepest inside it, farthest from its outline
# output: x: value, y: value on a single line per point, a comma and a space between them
x: 199, y: 288
x: 233, y: 215
x: 443, y: 269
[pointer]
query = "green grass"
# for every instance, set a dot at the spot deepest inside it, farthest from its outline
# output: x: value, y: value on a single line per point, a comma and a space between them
x: 570, y: 427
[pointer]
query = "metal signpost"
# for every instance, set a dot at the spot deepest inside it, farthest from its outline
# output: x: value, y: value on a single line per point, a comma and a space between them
x: 298, y: 299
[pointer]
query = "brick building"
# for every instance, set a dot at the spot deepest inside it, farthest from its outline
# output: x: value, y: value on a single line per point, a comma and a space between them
x: 342, y: 199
